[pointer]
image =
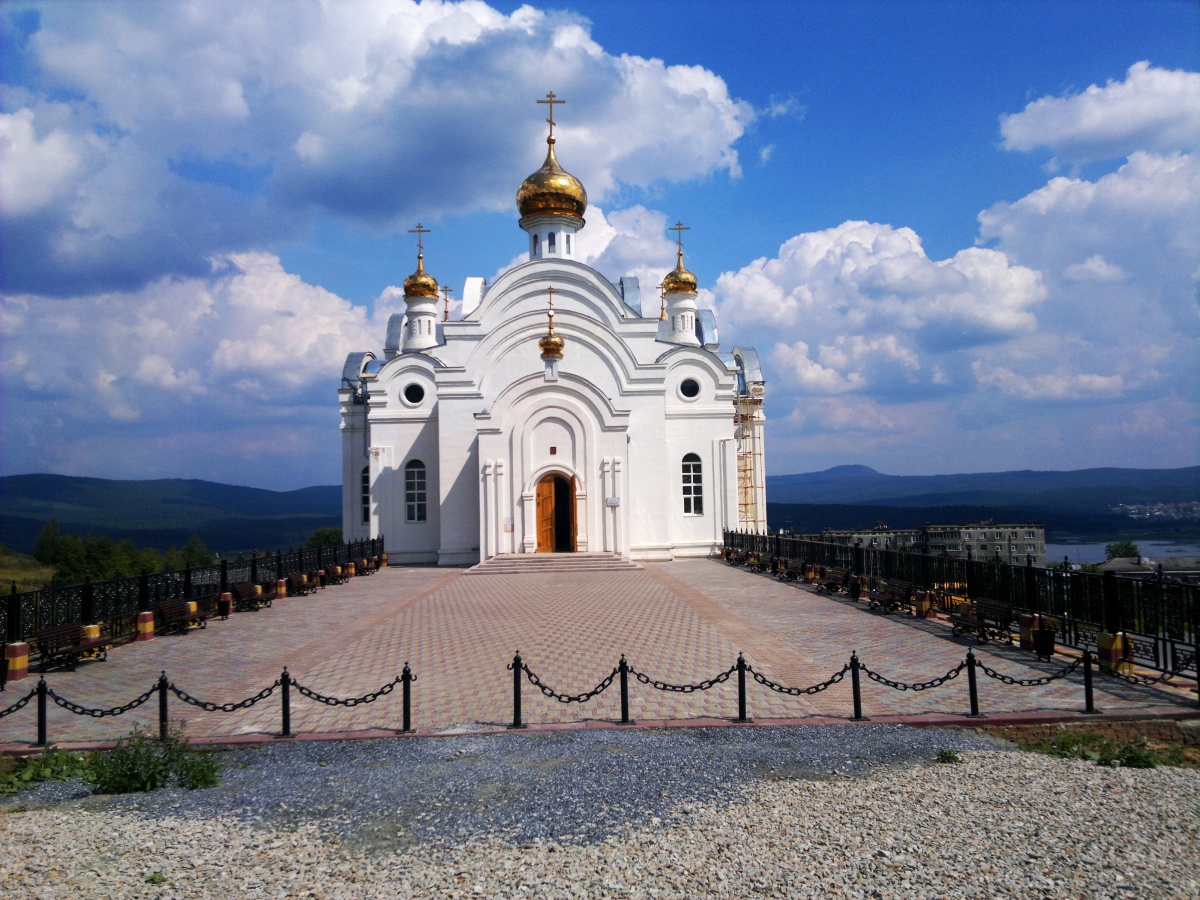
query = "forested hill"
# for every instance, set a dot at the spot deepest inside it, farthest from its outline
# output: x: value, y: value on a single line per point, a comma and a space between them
x: 165, y: 512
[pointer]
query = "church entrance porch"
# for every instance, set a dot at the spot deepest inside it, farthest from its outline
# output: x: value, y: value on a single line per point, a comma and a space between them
x: 555, y: 510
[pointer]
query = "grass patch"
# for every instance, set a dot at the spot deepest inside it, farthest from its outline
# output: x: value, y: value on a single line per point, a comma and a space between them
x: 27, y: 572
x: 948, y: 756
x: 1136, y: 753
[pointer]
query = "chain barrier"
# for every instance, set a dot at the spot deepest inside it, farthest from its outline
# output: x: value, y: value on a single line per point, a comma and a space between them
x: 1139, y: 679
x: 569, y: 698
x: 918, y: 686
x: 225, y: 707
x: 1029, y: 682
x: 20, y: 704
x: 684, y: 688
x: 100, y: 713
x: 798, y: 692
x: 350, y: 701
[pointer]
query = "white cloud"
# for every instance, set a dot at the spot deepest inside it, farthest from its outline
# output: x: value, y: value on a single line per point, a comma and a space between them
x: 1058, y: 385
x: 1153, y: 109
x: 1095, y: 268
x: 35, y: 171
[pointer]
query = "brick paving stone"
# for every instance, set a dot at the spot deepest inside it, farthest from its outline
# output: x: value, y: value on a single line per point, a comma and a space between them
x: 680, y: 623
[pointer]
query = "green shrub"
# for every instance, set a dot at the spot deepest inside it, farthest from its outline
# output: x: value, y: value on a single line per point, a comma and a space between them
x: 948, y: 756
x: 20, y: 772
x: 142, y: 763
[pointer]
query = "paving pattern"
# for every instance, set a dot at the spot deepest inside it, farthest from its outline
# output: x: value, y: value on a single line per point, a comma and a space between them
x: 679, y: 623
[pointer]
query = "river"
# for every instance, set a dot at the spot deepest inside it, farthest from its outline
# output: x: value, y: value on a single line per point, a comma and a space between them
x: 1094, y: 553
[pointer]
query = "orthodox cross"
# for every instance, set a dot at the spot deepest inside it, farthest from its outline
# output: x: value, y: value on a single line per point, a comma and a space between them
x: 679, y: 229
x: 448, y: 291
x: 419, y: 231
x: 550, y: 101
x: 662, y: 297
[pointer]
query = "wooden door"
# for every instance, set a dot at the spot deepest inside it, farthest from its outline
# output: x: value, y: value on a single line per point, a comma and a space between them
x: 545, y: 515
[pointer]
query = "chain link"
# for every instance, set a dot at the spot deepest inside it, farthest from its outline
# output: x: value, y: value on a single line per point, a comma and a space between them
x: 918, y: 686
x: 100, y: 713
x: 570, y: 698
x: 1028, y: 682
x: 684, y: 688
x: 225, y: 707
x: 19, y: 705
x: 797, y: 692
x: 350, y: 701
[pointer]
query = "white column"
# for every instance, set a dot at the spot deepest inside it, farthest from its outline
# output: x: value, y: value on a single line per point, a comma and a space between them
x: 606, y: 531
x: 485, y: 518
x: 503, y: 538
x: 529, y: 522
x: 619, y: 510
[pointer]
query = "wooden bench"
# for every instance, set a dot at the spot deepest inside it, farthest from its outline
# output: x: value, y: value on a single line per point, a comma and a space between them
x: 177, y: 615
x: 834, y: 580
x: 299, y: 584
x: 246, y: 595
x: 790, y: 569
x: 364, y: 567
x: 65, y: 645
x: 735, y: 556
x: 988, y: 619
x: 893, y: 595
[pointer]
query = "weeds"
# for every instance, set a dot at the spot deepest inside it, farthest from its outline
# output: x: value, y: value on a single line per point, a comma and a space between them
x: 142, y: 763
x: 20, y: 772
x: 948, y: 756
x: 1135, y: 754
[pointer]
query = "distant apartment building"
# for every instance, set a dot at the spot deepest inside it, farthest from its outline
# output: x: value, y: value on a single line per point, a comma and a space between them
x: 1018, y: 544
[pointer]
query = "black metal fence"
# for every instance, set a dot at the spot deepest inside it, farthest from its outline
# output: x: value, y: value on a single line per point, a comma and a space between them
x: 115, y: 603
x: 1159, y: 615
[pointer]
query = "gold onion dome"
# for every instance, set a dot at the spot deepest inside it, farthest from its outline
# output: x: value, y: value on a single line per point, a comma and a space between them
x: 680, y: 280
x: 551, y: 190
x: 552, y: 345
x: 420, y: 283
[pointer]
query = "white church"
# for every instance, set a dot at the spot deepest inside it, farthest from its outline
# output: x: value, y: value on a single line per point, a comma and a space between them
x: 559, y: 413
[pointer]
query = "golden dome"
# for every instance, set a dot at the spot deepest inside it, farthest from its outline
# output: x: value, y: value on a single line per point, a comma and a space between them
x: 420, y: 283
x: 680, y: 280
x: 551, y: 344
x: 551, y: 190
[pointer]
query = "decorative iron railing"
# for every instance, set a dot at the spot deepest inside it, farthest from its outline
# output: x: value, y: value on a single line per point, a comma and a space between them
x: 1159, y: 616
x: 115, y: 603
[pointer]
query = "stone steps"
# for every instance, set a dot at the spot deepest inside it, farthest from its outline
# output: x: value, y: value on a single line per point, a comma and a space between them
x: 534, y: 563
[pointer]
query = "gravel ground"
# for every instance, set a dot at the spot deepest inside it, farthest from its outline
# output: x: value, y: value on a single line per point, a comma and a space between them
x: 841, y: 811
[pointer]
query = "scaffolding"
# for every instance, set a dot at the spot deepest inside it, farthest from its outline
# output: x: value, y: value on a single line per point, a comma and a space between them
x: 751, y: 482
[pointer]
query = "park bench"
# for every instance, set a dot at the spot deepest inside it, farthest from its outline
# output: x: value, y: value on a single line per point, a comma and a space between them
x: 299, y: 584
x: 791, y: 569
x: 177, y: 615
x: 892, y: 595
x: 735, y: 556
x: 247, y: 595
x: 65, y: 645
x: 833, y: 580
x: 336, y: 574
x: 987, y: 619
x: 365, y: 567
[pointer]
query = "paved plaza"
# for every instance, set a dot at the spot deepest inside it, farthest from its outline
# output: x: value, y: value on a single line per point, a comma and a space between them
x: 678, y: 622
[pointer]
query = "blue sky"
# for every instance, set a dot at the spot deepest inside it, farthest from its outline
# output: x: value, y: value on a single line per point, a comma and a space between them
x: 963, y: 237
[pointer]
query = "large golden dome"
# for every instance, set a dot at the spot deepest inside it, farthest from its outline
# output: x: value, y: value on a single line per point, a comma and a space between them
x: 680, y: 280
x: 551, y: 190
x: 420, y: 283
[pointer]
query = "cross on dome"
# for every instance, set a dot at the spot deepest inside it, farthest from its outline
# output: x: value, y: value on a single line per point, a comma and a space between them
x: 420, y: 231
x: 679, y: 228
x: 550, y: 101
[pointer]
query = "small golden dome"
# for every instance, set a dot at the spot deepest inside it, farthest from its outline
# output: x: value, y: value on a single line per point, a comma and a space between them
x: 420, y: 283
x: 680, y: 280
x: 551, y: 190
x: 551, y: 344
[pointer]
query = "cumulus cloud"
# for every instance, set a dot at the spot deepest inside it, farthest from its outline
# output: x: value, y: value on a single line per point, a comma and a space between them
x: 1153, y: 109
x: 239, y: 348
x: 209, y: 128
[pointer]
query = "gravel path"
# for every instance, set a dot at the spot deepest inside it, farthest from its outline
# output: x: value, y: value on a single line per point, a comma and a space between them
x: 841, y: 811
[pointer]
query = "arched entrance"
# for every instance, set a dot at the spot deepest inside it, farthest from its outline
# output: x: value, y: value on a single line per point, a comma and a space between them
x: 555, y: 514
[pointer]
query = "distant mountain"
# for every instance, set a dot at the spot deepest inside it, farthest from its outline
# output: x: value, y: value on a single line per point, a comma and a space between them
x: 165, y: 512
x: 1077, y: 503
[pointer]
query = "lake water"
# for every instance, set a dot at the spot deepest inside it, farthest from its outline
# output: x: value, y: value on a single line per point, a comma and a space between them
x: 1094, y: 553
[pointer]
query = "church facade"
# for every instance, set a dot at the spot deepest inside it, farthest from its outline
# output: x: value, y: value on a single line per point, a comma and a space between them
x: 561, y: 412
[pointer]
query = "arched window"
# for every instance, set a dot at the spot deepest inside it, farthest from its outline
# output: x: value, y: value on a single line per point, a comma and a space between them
x: 693, y: 493
x: 535, y: 245
x: 550, y: 242
x: 366, y: 495
x: 414, y: 491
x: 568, y: 237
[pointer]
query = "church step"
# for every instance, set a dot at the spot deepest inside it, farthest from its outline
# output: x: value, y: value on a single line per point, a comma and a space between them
x: 533, y: 563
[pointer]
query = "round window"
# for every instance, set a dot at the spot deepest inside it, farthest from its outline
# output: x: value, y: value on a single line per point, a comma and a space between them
x: 690, y: 388
x: 414, y: 393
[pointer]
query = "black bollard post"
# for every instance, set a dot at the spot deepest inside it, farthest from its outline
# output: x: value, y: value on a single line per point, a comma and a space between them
x: 285, y: 681
x: 516, y: 670
x: 854, y: 682
x: 41, y: 695
x: 623, y: 668
x: 164, y: 729
x: 741, y: 670
x: 974, y: 687
x: 1089, y: 700
x: 406, y: 694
